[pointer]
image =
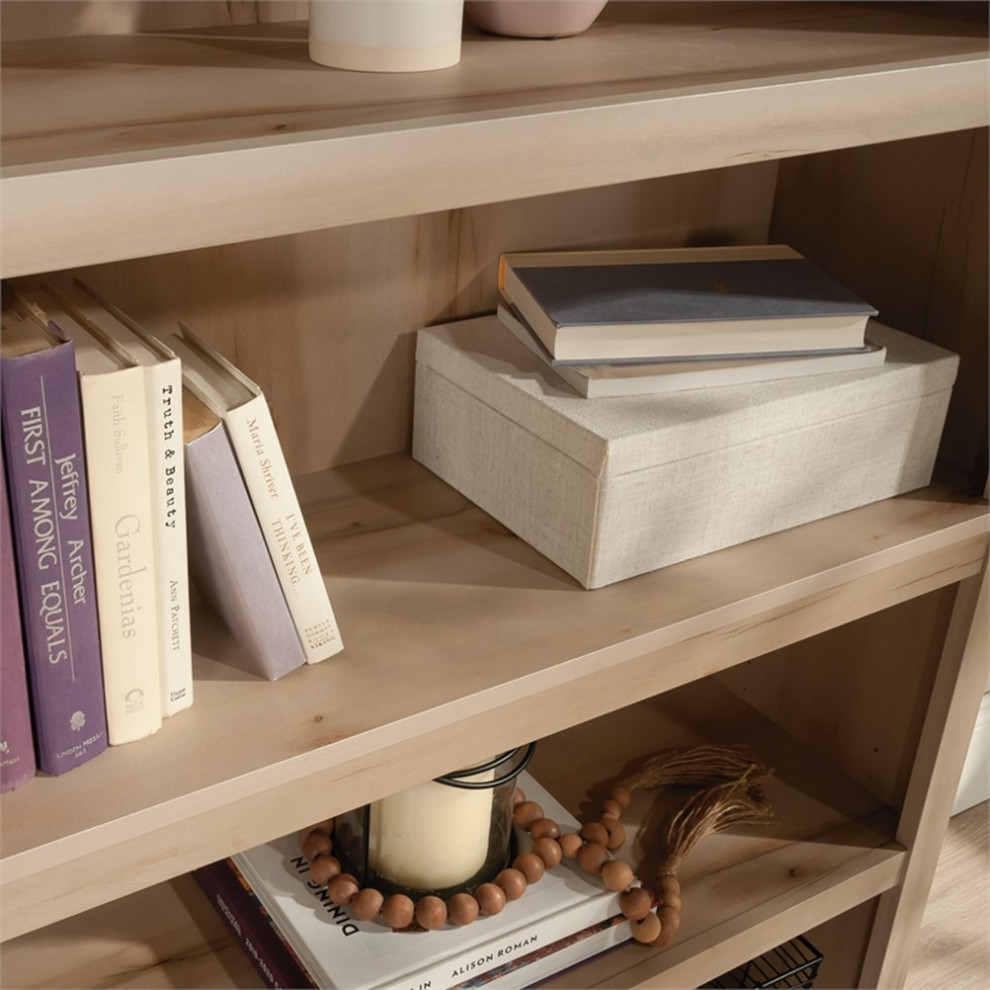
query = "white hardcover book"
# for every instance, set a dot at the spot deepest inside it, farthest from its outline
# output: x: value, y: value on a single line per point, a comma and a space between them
x: 228, y: 392
x: 342, y: 952
x: 114, y: 403
x: 163, y: 373
x: 595, y: 381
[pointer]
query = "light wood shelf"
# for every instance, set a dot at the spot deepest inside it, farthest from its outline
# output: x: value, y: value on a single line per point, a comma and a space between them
x: 234, y: 135
x: 830, y: 849
x: 218, y: 171
x: 461, y: 638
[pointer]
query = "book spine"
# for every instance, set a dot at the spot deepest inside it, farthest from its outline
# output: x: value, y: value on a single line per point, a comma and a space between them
x: 554, y: 958
x: 17, y: 762
x: 164, y: 393
x: 251, y: 926
x: 115, y: 419
x: 229, y: 560
x: 266, y: 475
x: 55, y: 570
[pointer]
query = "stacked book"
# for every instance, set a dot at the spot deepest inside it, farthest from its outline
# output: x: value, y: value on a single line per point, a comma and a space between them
x: 627, y: 322
x: 131, y: 465
x: 295, y: 936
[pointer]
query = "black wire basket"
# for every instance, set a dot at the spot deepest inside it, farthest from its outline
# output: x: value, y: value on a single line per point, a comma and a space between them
x: 793, y: 964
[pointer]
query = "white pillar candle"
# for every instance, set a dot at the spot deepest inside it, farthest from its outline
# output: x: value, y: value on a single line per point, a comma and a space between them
x: 431, y: 836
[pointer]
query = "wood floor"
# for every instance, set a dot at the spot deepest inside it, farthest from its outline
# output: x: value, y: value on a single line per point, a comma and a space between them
x: 953, y: 950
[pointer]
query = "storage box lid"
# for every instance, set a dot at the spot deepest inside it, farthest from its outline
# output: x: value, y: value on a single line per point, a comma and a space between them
x: 630, y: 433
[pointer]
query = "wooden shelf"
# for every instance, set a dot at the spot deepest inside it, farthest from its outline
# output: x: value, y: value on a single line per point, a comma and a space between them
x: 830, y: 849
x: 235, y: 135
x: 460, y: 638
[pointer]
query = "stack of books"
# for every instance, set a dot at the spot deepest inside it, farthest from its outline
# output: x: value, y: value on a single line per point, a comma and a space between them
x: 111, y: 503
x: 627, y: 322
x: 295, y: 936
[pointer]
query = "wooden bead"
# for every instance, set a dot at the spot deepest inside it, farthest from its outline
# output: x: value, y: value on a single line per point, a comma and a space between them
x: 490, y: 898
x: 543, y: 828
x: 646, y: 929
x: 513, y: 882
x: 671, y: 901
x: 611, y: 807
x: 518, y: 796
x: 621, y: 795
x: 398, y: 911
x: 671, y: 918
x: 570, y: 844
x: 665, y: 937
x: 636, y: 903
x: 526, y: 812
x: 530, y: 866
x: 316, y: 844
x: 431, y: 912
x: 462, y: 909
x: 616, y: 832
x: 367, y: 904
x: 323, y: 869
x: 591, y: 857
x: 594, y: 832
x: 549, y: 851
x: 617, y: 875
x: 343, y: 888
x: 668, y: 884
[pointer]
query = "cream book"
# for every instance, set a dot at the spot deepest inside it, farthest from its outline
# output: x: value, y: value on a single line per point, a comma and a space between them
x: 163, y: 384
x: 114, y: 401
x: 242, y: 405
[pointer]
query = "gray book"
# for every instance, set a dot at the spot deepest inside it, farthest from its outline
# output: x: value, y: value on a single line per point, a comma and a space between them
x: 228, y: 557
x: 604, y: 306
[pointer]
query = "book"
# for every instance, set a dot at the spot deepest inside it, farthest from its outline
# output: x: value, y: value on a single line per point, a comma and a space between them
x: 595, y: 381
x: 228, y: 558
x: 163, y: 386
x: 17, y: 761
x: 653, y: 304
x: 114, y: 403
x: 251, y: 925
x: 338, y: 950
x: 50, y: 519
x: 277, y: 963
x: 241, y: 404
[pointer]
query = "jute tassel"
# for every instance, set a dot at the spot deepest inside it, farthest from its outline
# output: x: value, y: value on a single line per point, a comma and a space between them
x: 729, y: 790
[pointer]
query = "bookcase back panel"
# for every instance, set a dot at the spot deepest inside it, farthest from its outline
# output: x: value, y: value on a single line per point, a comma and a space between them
x: 27, y: 19
x: 827, y: 690
x: 923, y: 265
x: 325, y: 322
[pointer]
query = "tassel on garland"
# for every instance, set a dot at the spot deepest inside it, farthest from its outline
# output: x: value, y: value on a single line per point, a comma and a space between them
x: 730, y: 791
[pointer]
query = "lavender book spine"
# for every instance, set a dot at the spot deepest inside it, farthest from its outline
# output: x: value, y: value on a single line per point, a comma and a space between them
x: 17, y: 763
x: 42, y: 433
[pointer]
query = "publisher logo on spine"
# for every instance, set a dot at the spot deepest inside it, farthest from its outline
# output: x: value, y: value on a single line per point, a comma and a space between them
x: 134, y: 701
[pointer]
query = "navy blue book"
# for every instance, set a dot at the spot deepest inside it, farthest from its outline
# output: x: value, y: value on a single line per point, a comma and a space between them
x: 633, y: 305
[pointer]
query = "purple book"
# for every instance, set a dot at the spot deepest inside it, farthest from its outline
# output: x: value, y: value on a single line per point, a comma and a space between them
x: 250, y: 924
x: 17, y: 765
x: 43, y: 446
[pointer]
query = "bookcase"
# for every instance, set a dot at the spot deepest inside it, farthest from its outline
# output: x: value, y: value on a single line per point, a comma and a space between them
x: 307, y: 222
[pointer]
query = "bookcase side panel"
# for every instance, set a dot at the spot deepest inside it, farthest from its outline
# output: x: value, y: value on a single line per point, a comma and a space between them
x: 325, y: 322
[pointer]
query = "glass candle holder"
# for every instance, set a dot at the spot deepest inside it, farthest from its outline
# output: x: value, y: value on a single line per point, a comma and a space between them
x: 441, y: 837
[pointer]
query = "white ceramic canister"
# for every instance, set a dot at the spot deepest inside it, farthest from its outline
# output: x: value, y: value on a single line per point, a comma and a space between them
x: 386, y: 35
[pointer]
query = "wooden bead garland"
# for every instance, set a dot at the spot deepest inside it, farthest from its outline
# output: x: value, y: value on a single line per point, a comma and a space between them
x: 589, y: 846
x: 728, y: 791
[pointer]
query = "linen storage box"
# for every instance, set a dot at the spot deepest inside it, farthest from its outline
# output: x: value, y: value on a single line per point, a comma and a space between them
x: 613, y: 487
